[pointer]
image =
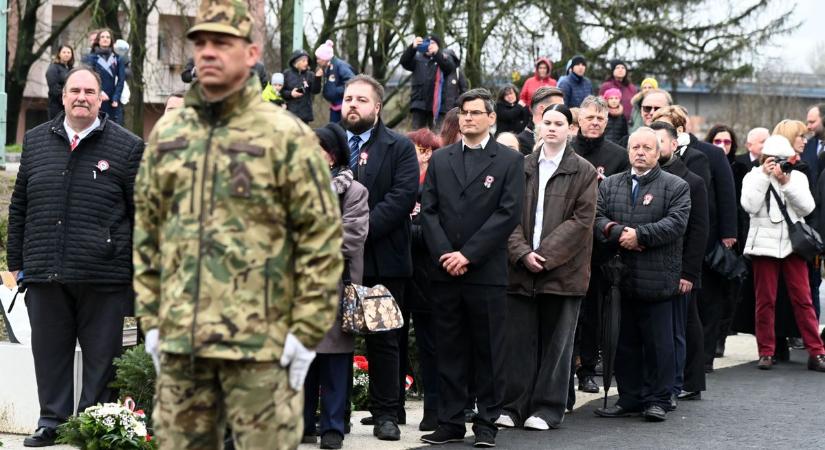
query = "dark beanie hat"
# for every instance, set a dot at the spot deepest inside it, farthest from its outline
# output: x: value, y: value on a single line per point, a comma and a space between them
x: 616, y: 62
x: 334, y: 141
x: 576, y: 60
x: 437, y: 39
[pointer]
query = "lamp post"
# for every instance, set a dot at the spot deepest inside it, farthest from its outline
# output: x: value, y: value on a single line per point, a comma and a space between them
x: 297, y: 25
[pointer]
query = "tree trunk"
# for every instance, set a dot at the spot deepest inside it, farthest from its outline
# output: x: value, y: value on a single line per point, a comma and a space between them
x: 564, y: 22
x: 352, y: 35
x: 420, y: 18
x: 329, y: 22
x: 138, y: 20
x: 475, y: 43
x: 104, y: 15
x: 380, y: 62
x: 287, y: 21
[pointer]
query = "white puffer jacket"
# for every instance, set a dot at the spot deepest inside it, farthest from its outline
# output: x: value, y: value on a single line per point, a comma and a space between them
x: 768, y: 233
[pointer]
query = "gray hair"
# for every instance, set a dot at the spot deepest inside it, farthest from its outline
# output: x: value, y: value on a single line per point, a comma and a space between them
x: 647, y: 130
x: 596, y: 102
x: 758, y: 130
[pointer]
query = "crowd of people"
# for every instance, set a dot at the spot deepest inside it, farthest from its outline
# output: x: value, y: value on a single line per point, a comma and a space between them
x: 498, y: 224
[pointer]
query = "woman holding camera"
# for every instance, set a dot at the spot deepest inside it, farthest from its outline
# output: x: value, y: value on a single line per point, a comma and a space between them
x: 769, y: 248
x: 300, y: 84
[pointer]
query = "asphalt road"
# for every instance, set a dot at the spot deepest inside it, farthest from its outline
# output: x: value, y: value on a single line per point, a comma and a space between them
x: 744, y: 408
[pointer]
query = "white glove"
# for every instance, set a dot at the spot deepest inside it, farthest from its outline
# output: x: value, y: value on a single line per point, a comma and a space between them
x: 151, y: 343
x: 298, y: 359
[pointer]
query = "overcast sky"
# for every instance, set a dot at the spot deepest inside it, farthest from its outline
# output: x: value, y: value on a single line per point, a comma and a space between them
x: 795, y: 49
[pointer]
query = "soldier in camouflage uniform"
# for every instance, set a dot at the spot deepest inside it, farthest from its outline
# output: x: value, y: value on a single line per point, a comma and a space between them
x: 236, y: 251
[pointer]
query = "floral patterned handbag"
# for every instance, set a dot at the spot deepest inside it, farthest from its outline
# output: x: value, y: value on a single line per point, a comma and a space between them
x: 368, y: 310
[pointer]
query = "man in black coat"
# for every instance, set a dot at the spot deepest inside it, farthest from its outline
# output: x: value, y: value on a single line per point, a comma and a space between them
x: 385, y: 163
x: 470, y: 204
x: 608, y: 159
x: 455, y: 84
x: 430, y: 67
x: 542, y: 98
x: 687, y: 327
x: 722, y: 207
x: 70, y: 242
x: 643, y: 214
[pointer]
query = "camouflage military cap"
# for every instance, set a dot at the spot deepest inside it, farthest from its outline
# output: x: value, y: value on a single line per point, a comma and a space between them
x: 223, y: 16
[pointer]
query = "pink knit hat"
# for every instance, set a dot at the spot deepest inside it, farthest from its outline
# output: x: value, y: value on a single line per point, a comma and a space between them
x: 612, y: 92
x: 325, y: 51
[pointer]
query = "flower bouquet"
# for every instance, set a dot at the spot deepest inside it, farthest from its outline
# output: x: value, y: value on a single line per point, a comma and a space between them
x: 107, y: 426
x: 360, y: 383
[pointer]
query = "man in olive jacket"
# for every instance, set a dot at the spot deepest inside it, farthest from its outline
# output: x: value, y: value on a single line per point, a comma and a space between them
x: 643, y: 213
x: 549, y: 254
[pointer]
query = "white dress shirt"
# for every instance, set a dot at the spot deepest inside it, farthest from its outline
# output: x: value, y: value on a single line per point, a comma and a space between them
x: 81, y: 135
x: 547, y: 167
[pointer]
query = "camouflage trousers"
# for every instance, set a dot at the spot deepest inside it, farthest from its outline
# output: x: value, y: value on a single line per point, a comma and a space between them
x: 195, y: 403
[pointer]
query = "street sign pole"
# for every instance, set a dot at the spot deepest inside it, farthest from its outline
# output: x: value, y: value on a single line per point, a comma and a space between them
x: 297, y: 26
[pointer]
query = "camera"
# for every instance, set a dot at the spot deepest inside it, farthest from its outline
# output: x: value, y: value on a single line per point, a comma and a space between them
x: 424, y: 46
x: 784, y: 164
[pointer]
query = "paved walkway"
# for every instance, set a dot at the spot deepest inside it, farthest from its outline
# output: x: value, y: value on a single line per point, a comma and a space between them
x: 743, y: 408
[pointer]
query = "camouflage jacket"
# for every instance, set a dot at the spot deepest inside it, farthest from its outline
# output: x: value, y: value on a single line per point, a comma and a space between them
x: 237, y: 231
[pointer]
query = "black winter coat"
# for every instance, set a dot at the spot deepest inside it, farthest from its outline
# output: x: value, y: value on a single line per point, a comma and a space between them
x: 616, y: 128
x: 473, y: 213
x: 391, y: 177
x: 455, y: 84
x: 660, y: 217
x: 300, y: 106
x: 526, y: 140
x: 511, y: 118
x: 72, y: 213
x: 608, y: 159
x: 722, y: 201
x: 696, y: 236
x: 423, y: 70
x: 55, y: 79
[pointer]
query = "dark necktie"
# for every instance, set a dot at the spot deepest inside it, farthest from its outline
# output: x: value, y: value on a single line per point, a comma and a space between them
x: 635, y: 191
x: 354, y: 155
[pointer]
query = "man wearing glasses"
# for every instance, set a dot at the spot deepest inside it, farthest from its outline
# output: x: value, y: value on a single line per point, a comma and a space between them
x: 470, y: 204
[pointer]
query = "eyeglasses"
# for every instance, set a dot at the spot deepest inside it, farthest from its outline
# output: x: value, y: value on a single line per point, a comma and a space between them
x: 722, y: 141
x: 473, y: 114
x: 650, y: 109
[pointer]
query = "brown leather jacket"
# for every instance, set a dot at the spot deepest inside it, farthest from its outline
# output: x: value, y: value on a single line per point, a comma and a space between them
x: 567, y: 231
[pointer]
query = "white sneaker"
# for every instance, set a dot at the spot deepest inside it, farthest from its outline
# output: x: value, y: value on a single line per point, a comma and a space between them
x: 505, y: 421
x: 536, y: 423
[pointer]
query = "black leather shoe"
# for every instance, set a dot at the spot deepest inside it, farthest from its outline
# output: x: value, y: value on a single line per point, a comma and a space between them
x: 817, y: 363
x: 655, y: 413
x: 332, y: 439
x: 720, y: 348
x: 429, y: 422
x: 386, y: 430
x: 309, y: 439
x: 615, y: 411
x: 484, y: 439
x: 685, y: 395
x: 43, y: 437
x: 796, y: 343
x: 369, y: 420
x: 442, y: 436
x: 588, y: 384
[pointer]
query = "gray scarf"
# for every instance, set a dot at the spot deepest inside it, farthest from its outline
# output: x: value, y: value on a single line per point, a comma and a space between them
x: 341, y: 179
